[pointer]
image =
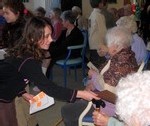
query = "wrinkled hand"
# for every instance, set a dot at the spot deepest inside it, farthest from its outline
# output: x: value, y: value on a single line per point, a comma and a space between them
x: 89, y: 87
x: 28, y: 96
x: 91, y: 72
x: 87, y: 95
x: 100, y: 118
x: 103, y: 50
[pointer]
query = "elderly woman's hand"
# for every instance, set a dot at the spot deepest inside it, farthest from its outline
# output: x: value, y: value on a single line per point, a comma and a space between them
x: 100, y: 119
x: 91, y: 73
x: 103, y: 50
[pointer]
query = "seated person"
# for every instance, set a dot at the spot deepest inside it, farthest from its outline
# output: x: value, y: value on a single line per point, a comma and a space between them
x: 71, y: 36
x: 132, y: 103
x: 80, y: 22
x: 56, y: 22
x: 123, y: 62
x: 138, y: 46
x: 40, y: 11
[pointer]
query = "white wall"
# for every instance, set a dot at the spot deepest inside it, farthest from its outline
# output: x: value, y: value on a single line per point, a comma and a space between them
x: 47, y: 4
x: 38, y: 3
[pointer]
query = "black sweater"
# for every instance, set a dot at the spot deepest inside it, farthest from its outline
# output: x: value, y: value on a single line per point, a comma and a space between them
x: 32, y: 71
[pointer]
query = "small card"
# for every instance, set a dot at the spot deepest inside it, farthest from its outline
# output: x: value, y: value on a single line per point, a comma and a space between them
x: 41, y: 102
x: 91, y: 66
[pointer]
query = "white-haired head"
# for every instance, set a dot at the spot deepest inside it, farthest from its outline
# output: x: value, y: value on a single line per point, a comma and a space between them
x: 133, y: 102
x: 128, y: 22
x: 76, y: 9
x: 118, y: 37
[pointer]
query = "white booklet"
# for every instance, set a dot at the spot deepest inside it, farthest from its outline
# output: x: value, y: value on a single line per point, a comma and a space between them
x: 101, y: 85
x: 41, y: 101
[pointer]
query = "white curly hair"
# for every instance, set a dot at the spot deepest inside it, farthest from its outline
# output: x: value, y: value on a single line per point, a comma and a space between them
x: 118, y: 36
x: 133, y: 100
x: 128, y: 22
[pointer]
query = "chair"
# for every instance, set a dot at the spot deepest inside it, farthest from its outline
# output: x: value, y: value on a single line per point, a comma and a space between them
x: 87, y: 120
x: 74, y: 63
x: 146, y: 60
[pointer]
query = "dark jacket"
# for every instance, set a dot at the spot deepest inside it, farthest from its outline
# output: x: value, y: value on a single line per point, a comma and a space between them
x: 32, y: 71
x: 12, y: 82
x: 12, y: 32
x: 59, y: 48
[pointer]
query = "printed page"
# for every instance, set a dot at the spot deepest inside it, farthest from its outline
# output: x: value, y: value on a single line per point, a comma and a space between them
x: 41, y: 102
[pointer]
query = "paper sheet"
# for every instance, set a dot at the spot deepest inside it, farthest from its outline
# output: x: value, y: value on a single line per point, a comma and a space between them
x: 41, y: 102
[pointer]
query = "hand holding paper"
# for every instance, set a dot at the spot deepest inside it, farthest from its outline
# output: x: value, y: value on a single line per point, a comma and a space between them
x: 41, y: 101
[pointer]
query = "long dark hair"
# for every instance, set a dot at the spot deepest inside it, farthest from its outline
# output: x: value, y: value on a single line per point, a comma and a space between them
x: 32, y: 34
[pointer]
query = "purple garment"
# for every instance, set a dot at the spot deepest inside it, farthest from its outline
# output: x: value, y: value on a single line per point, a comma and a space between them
x: 109, y: 109
x: 139, y: 48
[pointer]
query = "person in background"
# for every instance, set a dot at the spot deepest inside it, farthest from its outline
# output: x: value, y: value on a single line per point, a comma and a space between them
x: 16, y: 16
x: 109, y: 18
x: 127, y: 10
x: 54, y: 16
x: 97, y: 30
x: 70, y: 36
x: 122, y: 62
x: 114, y: 12
x: 145, y: 22
x: 132, y: 102
x: 40, y: 11
x: 80, y: 22
x: 138, y: 46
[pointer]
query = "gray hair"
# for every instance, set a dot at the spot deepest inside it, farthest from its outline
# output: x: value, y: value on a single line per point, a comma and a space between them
x: 118, y: 36
x: 76, y: 9
x: 128, y: 22
x: 68, y: 16
x: 133, y: 98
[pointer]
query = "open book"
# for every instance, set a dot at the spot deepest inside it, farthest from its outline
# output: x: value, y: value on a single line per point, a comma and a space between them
x: 41, y: 101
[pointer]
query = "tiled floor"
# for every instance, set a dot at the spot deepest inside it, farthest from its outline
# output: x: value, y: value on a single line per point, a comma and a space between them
x: 50, y: 116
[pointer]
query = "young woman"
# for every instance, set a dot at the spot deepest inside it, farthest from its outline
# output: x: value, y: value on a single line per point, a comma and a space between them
x: 35, y: 40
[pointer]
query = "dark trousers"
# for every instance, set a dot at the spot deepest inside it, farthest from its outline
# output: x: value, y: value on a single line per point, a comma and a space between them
x: 96, y: 59
x: 71, y: 112
x: 8, y: 114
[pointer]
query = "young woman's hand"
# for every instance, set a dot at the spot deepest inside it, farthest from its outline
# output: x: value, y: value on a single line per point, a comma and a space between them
x: 100, y: 118
x: 87, y: 95
x: 28, y: 96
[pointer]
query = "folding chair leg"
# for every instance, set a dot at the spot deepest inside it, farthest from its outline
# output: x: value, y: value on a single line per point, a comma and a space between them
x: 65, y: 76
x: 75, y: 70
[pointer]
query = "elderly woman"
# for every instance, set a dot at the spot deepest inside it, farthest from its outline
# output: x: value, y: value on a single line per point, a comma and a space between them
x: 123, y: 62
x: 80, y: 22
x: 134, y: 98
x: 138, y: 46
x: 71, y: 36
